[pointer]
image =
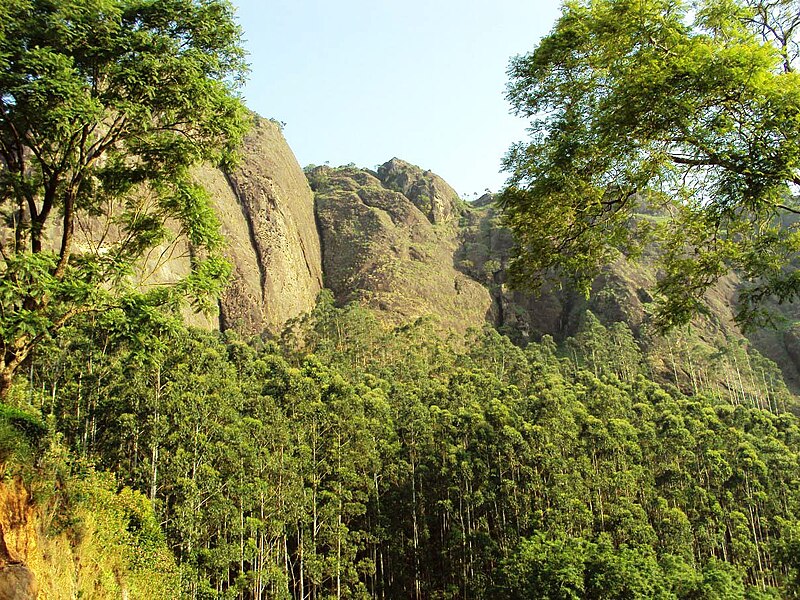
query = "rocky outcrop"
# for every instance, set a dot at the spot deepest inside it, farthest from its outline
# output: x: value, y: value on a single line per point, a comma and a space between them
x: 382, y: 248
x: 622, y: 293
x: 427, y: 191
x: 266, y: 209
x: 18, y: 543
x: 399, y: 240
x: 266, y: 212
x: 17, y: 582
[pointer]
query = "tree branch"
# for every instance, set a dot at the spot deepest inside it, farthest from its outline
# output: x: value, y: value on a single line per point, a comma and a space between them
x: 794, y: 211
x: 66, y: 235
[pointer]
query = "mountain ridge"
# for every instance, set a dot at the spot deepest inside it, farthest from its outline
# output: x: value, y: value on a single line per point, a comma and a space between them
x: 400, y: 241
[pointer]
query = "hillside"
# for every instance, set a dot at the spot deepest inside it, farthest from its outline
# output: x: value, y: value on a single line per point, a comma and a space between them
x: 400, y: 241
x: 391, y: 442
x: 388, y: 240
x: 267, y: 213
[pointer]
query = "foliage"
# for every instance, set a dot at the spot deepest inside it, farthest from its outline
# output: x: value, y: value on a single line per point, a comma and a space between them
x: 121, y: 541
x: 360, y: 460
x: 104, y: 107
x: 688, y: 109
x: 542, y: 568
x: 22, y: 436
x: 75, y: 529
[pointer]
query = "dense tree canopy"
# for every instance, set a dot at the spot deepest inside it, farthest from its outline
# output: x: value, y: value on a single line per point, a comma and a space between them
x: 688, y: 111
x: 104, y: 106
x: 389, y: 464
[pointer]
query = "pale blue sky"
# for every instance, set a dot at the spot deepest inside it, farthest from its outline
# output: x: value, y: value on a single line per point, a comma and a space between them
x: 362, y: 81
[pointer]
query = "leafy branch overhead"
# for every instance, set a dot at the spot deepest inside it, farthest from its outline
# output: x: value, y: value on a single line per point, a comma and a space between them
x: 104, y: 107
x: 689, y: 111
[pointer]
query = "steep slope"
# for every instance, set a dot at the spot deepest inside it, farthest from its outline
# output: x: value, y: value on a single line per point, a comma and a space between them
x: 99, y: 544
x: 427, y: 191
x: 621, y: 293
x: 394, y: 252
x: 267, y: 213
x: 400, y: 241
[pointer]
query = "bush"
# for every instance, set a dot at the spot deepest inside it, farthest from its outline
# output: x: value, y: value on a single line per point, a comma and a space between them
x: 22, y: 436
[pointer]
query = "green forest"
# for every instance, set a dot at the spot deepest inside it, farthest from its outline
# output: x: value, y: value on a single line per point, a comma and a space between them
x: 352, y: 455
x: 349, y: 459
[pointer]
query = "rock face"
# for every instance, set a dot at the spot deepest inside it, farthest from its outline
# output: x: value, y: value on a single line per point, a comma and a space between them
x: 393, y: 253
x: 713, y: 350
x: 18, y: 543
x: 618, y: 294
x: 17, y: 582
x: 427, y: 191
x: 267, y: 213
x: 399, y: 240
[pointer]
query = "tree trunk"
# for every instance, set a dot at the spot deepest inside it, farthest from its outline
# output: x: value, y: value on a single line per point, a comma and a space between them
x: 155, y: 445
x: 12, y: 359
x: 6, y: 379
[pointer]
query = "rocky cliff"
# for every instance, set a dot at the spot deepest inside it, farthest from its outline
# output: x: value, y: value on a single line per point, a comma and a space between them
x: 400, y: 241
x: 426, y: 190
x: 388, y: 240
x: 622, y: 293
x: 266, y: 208
x: 266, y: 211
x: 18, y: 543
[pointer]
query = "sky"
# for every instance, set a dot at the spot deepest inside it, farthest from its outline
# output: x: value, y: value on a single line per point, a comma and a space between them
x: 362, y: 81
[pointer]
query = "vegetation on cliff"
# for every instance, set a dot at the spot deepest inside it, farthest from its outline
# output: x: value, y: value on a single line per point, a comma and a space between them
x: 389, y: 238
x: 693, y: 106
x: 68, y: 530
x: 104, y: 107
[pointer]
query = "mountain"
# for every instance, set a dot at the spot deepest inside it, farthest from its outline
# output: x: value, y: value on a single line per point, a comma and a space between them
x: 267, y: 213
x: 388, y: 240
x: 400, y: 241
